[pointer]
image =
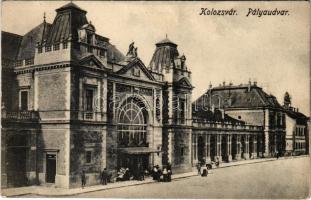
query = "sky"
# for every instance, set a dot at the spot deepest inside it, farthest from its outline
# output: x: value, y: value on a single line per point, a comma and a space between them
x: 272, y: 50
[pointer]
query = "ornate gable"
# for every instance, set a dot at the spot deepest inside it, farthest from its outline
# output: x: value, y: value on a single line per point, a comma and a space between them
x: 137, y: 70
x: 184, y: 82
x: 91, y: 61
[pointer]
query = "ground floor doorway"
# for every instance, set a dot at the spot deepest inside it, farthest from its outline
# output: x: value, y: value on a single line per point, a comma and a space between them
x: 50, y: 168
x: 133, y: 161
x: 16, y: 167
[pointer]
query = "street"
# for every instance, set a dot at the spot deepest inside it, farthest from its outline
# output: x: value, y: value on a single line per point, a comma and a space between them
x: 284, y: 178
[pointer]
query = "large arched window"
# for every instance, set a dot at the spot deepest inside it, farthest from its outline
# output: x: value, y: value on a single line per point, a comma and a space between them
x: 132, y: 124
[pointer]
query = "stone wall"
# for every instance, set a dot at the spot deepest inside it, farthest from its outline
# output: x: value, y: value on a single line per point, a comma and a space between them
x: 54, y: 94
x: 87, y: 138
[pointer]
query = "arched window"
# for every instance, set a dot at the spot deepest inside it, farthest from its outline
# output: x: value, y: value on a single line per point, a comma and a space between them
x: 132, y: 124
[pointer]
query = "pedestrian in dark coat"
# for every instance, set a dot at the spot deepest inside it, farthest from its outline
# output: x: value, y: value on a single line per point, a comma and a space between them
x: 83, y: 179
x: 154, y: 173
x: 104, y: 177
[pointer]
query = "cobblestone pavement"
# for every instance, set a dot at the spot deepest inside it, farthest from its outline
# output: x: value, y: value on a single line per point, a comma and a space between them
x: 284, y: 178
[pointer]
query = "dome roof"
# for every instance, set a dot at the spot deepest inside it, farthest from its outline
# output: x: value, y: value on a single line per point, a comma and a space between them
x: 166, y: 51
x: 166, y: 41
x: 70, y: 6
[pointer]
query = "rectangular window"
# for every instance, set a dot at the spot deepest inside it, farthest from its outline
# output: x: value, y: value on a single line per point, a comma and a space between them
x: 89, y: 38
x: 88, y: 156
x: 39, y: 49
x: 89, y: 93
x: 56, y: 47
x: 182, y: 110
x: 182, y: 151
x: 24, y: 100
x: 48, y: 48
x: 89, y: 49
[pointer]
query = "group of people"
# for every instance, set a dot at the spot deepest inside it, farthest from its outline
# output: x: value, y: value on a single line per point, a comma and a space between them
x: 164, y: 175
x: 139, y: 173
x: 203, y: 167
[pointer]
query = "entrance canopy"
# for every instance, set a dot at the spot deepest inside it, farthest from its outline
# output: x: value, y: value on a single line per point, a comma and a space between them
x: 138, y: 150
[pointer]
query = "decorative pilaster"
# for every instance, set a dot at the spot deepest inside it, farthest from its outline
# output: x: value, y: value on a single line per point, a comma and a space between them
x: 229, y: 147
x: 218, y: 150
x: 246, y: 148
x: 238, y: 146
x: 266, y: 134
x: 254, y: 150
x: 208, y: 147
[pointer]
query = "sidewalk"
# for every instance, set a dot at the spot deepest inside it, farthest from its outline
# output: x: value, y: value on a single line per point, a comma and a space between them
x: 53, y: 191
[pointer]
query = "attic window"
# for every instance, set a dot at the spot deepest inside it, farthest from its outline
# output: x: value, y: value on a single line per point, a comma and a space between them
x: 39, y: 49
x: 65, y: 45
x: 19, y: 63
x: 48, y: 48
x: 56, y: 47
x: 89, y: 49
x: 89, y: 38
x: 239, y: 117
x: 29, y: 61
x: 102, y: 53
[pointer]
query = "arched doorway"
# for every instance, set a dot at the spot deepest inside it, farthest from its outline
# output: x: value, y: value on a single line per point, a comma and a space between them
x: 132, y: 133
x: 201, y: 149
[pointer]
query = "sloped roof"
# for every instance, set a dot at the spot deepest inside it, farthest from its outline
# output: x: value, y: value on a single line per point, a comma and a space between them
x: 166, y: 51
x: 298, y: 116
x: 68, y: 20
x: 237, y: 97
x: 30, y: 39
x: 10, y: 44
x: 114, y: 55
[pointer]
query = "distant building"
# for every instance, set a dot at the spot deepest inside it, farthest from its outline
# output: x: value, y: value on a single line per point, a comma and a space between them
x: 71, y: 101
x: 250, y: 104
x: 297, y: 131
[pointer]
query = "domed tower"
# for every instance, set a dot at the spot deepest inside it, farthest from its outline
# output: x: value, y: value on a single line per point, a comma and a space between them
x: 177, y: 118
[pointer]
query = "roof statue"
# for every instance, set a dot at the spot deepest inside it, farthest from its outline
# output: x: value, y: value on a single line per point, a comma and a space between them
x: 287, y: 99
x: 132, y: 52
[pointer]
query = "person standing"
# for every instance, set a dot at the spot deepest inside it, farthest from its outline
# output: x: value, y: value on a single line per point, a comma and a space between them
x: 104, y: 177
x: 154, y: 173
x: 165, y: 175
x: 198, y: 168
x: 83, y: 179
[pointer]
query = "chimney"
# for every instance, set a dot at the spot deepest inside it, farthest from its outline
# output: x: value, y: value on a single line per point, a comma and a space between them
x: 249, y: 85
x: 255, y: 83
